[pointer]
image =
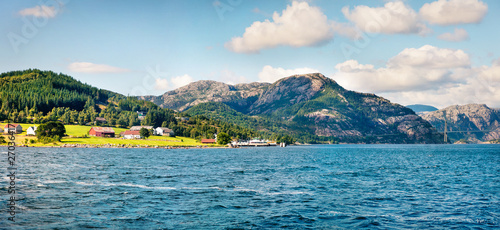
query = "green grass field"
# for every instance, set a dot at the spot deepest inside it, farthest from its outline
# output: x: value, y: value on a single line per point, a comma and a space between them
x: 76, y: 135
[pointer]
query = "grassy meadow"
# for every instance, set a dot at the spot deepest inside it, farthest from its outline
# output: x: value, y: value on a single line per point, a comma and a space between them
x: 78, y: 135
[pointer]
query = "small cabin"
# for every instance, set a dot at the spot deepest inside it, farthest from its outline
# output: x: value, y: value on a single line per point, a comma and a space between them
x: 100, y: 120
x: 102, y: 132
x: 208, y: 141
x: 12, y: 128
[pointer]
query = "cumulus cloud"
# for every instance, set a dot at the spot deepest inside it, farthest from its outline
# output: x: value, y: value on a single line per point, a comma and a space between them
x: 87, y: 67
x: 177, y: 82
x: 271, y: 74
x: 427, y: 67
x: 427, y: 75
x: 180, y: 81
x: 231, y: 77
x: 161, y: 84
x: 430, y: 57
x: 298, y: 25
x: 458, y: 36
x: 454, y: 12
x: 393, y: 18
x: 39, y: 11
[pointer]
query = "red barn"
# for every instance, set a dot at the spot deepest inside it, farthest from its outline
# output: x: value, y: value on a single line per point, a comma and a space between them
x: 14, y: 128
x: 208, y: 141
x: 102, y: 132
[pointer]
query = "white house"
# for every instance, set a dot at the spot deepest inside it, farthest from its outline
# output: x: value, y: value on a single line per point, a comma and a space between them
x: 131, y: 134
x: 162, y: 131
x: 138, y: 128
x: 15, y: 128
x: 31, y: 131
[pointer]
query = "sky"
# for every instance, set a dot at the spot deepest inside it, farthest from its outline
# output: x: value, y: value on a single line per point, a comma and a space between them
x: 439, y: 53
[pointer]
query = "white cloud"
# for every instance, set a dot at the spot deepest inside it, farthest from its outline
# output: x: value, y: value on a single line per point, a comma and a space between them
x: 161, y: 84
x: 177, y: 82
x: 270, y: 74
x: 230, y: 77
x: 346, y: 30
x: 458, y: 36
x: 454, y: 12
x: 180, y: 81
x: 427, y: 75
x: 87, y: 67
x: 298, y: 25
x: 430, y: 57
x: 394, y: 18
x: 412, y: 69
x: 39, y: 11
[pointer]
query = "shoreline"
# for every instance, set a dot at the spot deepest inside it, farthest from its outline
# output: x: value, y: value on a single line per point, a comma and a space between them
x: 88, y: 146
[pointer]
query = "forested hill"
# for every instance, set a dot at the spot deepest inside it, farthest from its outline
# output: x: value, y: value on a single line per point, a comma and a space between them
x: 35, y: 96
x: 44, y: 90
x: 34, y: 92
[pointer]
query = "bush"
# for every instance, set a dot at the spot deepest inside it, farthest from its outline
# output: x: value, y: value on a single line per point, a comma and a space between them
x: 46, y: 140
x: 51, y: 129
x: 223, y: 138
x: 144, y: 133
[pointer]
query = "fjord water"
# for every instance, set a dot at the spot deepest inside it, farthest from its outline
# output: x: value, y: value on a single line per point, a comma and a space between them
x: 317, y: 187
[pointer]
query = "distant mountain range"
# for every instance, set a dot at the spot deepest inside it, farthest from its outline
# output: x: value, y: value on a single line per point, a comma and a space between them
x: 481, y: 122
x: 303, y: 105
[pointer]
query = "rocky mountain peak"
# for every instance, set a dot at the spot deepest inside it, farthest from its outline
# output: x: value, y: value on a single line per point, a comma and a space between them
x: 290, y: 90
x: 203, y: 86
x: 202, y: 91
x: 471, y: 117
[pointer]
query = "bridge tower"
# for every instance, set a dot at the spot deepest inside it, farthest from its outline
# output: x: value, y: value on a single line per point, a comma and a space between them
x: 445, y: 127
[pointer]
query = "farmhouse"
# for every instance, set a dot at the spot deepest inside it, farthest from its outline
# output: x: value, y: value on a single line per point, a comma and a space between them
x: 15, y: 128
x: 138, y: 128
x: 208, y: 141
x: 131, y: 134
x: 102, y: 132
x: 31, y: 131
x: 162, y: 131
x: 100, y: 120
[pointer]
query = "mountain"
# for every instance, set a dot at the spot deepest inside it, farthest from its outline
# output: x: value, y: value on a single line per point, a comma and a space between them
x: 239, y: 96
x: 312, y: 106
x: 422, y: 109
x: 482, y: 122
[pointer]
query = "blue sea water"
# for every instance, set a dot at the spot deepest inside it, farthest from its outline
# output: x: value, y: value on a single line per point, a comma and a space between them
x: 298, y: 187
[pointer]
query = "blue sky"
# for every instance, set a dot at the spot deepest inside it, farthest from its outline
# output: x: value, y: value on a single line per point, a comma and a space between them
x: 439, y: 52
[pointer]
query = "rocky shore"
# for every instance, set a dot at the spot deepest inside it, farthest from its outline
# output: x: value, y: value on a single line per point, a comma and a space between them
x: 123, y: 146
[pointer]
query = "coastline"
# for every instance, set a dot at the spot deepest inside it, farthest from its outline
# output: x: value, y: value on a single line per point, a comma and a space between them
x: 110, y: 146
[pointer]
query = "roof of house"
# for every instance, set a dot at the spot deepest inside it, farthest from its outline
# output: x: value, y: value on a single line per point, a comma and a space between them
x: 207, y: 140
x: 131, y: 132
x: 165, y: 129
x: 11, y: 125
x: 100, y: 119
x: 104, y: 129
x: 134, y: 128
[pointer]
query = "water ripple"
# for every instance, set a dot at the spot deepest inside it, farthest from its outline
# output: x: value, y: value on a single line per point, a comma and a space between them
x: 300, y: 187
